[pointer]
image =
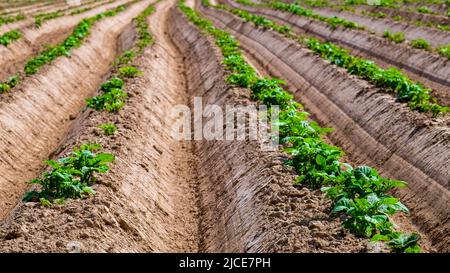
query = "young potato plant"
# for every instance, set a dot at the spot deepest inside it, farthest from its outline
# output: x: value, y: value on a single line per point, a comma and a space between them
x: 420, y: 44
x: 111, y: 100
x: 400, y: 242
x: 75, y: 40
x: 10, y: 83
x: 369, y: 215
x: 359, y: 193
x: 109, y: 129
x: 9, y: 37
x: 126, y: 58
x: 129, y: 72
x: 398, y: 37
x: 70, y: 177
x: 424, y: 9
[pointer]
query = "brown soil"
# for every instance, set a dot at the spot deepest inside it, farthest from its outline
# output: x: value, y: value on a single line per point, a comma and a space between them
x: 434, y: 36
x: 29, y: 21
x: 411, y: 16
x: 164, y: 195
x: 14, y: 57
x: 370, y: 125
x: 38, y: 114
x: 429, y: 69
x: 24, y: 8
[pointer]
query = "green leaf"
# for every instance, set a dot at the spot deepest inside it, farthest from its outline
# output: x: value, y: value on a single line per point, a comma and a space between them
x: 321, y: 161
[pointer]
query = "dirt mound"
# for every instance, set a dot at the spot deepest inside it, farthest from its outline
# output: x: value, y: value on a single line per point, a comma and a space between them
x: 14, y: 57
x: 433, y: 36
x: 370, y: 125
x: 164, y: 195
x: 37, y: 116
x: 429, y: 69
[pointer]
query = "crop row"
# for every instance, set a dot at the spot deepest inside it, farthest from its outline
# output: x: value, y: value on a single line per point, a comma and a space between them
x: 14, y: 35
x: 398, y: 18
x: 72, y: 176
x: 9, y: 37
x: 11, y: 19
x: 391, y: 80
x: 77, y: 37
x: 333, y: 22
x: 394, y: 16
x: 40, y: 18
x: 358, y: 192
x: 348, y: 5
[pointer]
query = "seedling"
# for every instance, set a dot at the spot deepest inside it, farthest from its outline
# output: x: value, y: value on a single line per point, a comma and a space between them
x: 108, y: 128
x: 129, y: 72
x: 420, y: 44
x: 70, y: 176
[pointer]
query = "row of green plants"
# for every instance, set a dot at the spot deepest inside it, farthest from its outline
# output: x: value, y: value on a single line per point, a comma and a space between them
x: 398, y: 37
x: 42, y: 17
x: 9, y: 84
x: 378, y: 15
x: 397, y: 18
x: 333, y: 22
x: 398, y: 3
x: 113, y: 96
x: 392, y: 80
x: 359, y: 193
x: 11, y: 19
x: 10, y: 36
x: 77, y: 37
x: 73, y: 176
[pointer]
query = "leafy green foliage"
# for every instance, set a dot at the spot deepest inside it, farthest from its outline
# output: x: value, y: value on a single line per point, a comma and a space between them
x: 400, y: 242
x: 111, y: 101
x: 42, y: 17
x: 444, y: 51
x: 296, y: 9
x: 391, y: 79
x: 10, y: 83
x: 114, y: 97
x: 11, y: 19
x: 358, y: 192
x: 360, y: 181
x: 424, y: 9
x: 144, y: 36
x: 10, y: 36
x: 374, y: 14
x: 126, y: 58
x: 79, y: 34
x: 369, y: 215
x: 420, y: 44
x: 70, y: 176
x: 108, y: 128
x: 398, y: 37
x: 129, y: 72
